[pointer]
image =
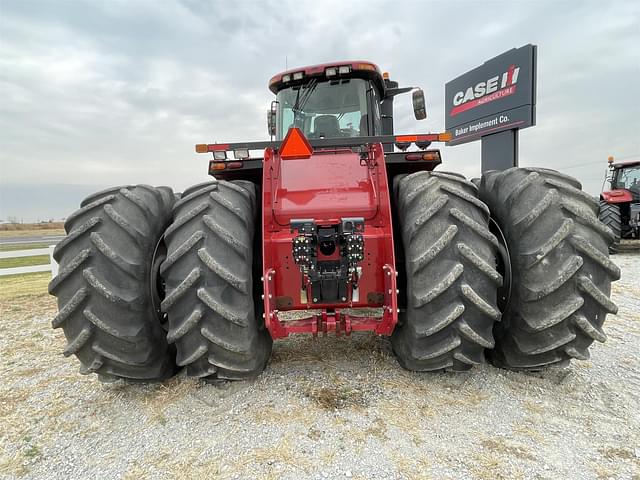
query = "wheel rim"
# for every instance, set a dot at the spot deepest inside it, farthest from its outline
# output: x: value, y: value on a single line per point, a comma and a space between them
x: 156, y: 282
x: 504, y: 266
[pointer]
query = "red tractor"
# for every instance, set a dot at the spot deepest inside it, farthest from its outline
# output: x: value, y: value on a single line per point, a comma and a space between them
x: 620, y: 206
x: 338, y: 226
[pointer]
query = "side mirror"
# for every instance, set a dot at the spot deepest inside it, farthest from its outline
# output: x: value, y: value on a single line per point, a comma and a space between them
x: 419, y: 104
x: 271, y: 119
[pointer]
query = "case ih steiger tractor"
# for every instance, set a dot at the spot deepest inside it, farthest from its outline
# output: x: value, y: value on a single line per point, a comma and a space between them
x: 620, y: 206
x: 348, y: 224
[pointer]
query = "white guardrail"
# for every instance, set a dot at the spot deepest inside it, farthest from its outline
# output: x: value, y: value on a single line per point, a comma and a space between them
x: 52, y: 266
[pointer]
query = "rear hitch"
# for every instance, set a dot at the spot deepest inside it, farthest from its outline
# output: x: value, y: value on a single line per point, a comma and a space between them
x: 328, y: 258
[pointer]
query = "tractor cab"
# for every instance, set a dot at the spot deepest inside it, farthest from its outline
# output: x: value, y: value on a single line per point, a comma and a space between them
x: 626, y: 176
x: 347, y: 99
x: 330, y: 109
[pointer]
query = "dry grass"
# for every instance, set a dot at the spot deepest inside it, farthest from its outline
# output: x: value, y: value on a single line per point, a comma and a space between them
x: 503, y: 447
x: 411, y: 468
x: 492, y: 462
x: 277, y: 414
x: 192, y: 464
x: 14, y: 288
x: 31, y: 233
x: 19, y: 228
x: 319, y: 400
x: 336, y: 397
x: 154, y: 399
x: 604, y: 472
x: 534, y: 407
x: 488, y: 466
x: 617, y: 453
x: 30, y: 352
x: 201, y: 463
x: 377, y: 430
x: 528, y: 431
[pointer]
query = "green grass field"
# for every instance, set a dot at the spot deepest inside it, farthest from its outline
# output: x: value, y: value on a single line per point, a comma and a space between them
x: 24, y: 261
x: 22, y: 246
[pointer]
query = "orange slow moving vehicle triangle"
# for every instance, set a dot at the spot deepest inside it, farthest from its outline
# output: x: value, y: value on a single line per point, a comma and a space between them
x: 295, y: 145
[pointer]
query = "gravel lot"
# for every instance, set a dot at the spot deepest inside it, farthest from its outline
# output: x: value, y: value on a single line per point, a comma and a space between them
x: 329, y: 408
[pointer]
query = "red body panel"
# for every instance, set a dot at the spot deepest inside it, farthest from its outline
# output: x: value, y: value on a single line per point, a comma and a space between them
x: 617, y: 196
x: 306, y: 187
x: 626, y: 163
x: 328, y: 186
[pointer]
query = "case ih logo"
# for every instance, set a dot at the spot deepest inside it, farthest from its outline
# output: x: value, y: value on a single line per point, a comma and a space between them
x: 487, y: 91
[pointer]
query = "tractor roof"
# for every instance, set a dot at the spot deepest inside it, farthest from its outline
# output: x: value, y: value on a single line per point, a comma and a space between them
x: 357, y: 68
x: 626, y: 163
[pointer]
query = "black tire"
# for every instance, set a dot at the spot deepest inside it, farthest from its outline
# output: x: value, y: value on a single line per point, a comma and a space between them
x: 560, y: 267
x: 609, y: 214
x: 214, y: 318
x: 452, y: 283
x: 104, y: 284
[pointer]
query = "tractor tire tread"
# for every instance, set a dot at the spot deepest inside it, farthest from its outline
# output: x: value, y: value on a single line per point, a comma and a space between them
x: 209, y: 282
x: 609, y: 215
x: 103, y: 284
x: 561, y: 271
x: 451, y: 276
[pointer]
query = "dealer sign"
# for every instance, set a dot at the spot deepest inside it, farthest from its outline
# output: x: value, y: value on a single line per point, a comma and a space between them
x: 499, y: 95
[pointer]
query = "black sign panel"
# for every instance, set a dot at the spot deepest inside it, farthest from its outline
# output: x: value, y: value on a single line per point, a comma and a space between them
x: 499, y: 95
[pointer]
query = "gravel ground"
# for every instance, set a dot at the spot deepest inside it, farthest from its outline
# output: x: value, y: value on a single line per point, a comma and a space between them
x: 327, y: 408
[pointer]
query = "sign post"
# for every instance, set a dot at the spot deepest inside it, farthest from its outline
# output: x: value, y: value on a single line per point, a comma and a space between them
x: 491, y: 103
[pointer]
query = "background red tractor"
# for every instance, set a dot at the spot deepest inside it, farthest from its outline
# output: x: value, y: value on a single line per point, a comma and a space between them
x: 346, y: 224
x: 620, y: 205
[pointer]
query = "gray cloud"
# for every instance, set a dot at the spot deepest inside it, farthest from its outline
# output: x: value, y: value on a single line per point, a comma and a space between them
x: 101, y: 93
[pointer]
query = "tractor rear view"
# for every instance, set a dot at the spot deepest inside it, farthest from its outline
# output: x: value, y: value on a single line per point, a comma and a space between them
x: 620, y: 205
x: 347, y: 224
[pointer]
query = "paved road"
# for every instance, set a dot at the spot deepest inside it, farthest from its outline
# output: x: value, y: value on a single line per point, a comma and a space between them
x: 50, y: 239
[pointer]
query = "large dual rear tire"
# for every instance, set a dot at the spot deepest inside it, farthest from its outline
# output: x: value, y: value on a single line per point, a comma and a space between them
x: 214, y: 317
x: 609, y: 214
x: 557, y: 262
x: 105, y: 284
x: 561, y: 271
x: 450, y: 271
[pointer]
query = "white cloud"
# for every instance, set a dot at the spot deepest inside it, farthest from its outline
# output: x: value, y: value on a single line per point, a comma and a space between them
x: 119, y: 92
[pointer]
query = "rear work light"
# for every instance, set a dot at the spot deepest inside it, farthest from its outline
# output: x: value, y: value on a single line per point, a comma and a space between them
x: 334, y: 71
x: 220, y: 155
x: 298, y: 75
x: 286, y: 78
x: 241, y: 154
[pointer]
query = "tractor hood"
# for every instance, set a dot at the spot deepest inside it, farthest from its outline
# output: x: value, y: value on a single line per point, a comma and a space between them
x: 617, y: 196
x: 328, y: 185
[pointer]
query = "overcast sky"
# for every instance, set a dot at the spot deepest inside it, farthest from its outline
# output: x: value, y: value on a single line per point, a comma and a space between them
x: 113, y: 92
